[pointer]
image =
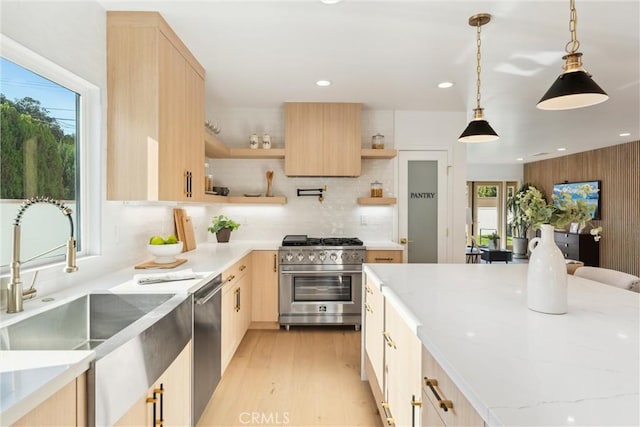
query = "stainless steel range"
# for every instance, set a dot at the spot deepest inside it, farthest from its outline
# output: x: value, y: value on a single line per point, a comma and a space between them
x: 321, y: 281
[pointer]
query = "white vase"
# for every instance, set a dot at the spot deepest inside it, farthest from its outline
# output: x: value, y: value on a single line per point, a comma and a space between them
x: 547, y: 275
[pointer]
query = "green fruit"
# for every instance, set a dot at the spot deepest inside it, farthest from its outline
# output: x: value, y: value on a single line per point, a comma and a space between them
x: 171, y: 239
x: 156, y: 240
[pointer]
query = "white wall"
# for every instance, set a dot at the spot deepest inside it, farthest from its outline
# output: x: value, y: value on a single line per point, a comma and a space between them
x: 495, y: 172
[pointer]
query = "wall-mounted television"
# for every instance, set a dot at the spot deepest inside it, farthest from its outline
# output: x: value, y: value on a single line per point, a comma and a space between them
x: 574, y: 189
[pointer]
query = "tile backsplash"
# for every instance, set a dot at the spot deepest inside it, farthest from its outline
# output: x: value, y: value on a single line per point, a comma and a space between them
x: 337, y: 215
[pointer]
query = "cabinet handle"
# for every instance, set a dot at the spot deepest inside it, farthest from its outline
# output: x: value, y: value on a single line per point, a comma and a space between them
x: 387, y: 414
x: 237, y: 295
x: 384, y: 259
x: 387, y: 338
x: 228, y: 279
x: 275, y: 263
x: 368, y: 307
x: 414, y: 404
x: 444, y: 404
x: 566, y: 245
x: 369, y: 290
x: 160, y: 391
x: 188, y: 178
x: 242, y: 267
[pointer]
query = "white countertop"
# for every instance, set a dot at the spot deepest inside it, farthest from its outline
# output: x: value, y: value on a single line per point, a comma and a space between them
x: 517, y: 366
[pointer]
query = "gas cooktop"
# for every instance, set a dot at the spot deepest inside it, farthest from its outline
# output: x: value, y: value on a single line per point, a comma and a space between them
x: 303, y: 240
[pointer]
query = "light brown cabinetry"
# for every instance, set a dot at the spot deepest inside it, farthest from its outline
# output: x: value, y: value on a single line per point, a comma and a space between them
x: 374, y: 256
x: 172, y: 392
x: 402, y: 369
x: 322, y: 139
x: 155, y: 131
x: 449, y: 407
x: 66, y: 407
x: 264, y: 313
x: 236, y: 308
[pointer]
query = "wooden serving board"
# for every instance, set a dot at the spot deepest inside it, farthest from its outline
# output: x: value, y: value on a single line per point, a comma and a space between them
x: 189, y: 237
x: 153, y: 264
x: 178, y: 215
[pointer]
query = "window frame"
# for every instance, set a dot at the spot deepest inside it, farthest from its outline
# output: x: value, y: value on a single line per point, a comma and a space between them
x: 87, y: 149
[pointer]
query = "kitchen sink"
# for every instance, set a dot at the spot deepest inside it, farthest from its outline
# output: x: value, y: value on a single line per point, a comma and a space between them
x: 81, y: 324
x: 135, y: 337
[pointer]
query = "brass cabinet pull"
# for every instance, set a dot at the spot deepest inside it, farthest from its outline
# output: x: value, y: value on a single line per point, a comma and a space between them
x: 414, y: 404
x: 160, y: 391
x: 369, y: 290
x: 230, y: 278
x: 384, y: 259
x: 188, y: 179
x: 237, y: 299
x: 387, y: 338
x: 152, y: 400
x: 387, y: 414
x: 444, y: 404
x: 242, y: 267
x: 368, y: 307
x: 275, y: 263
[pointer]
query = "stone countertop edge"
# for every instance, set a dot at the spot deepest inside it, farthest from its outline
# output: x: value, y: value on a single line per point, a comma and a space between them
x: 33, y: 386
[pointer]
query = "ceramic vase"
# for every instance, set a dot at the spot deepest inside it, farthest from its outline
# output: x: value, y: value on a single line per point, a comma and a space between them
x: 546, y: 275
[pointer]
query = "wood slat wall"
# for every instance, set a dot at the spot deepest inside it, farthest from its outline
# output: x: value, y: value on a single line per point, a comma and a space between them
x: 618, y: 167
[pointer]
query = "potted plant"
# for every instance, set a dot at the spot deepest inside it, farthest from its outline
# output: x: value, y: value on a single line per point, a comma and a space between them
x: 520, y: 221
x: 222, y: 226
x: 493, y: 241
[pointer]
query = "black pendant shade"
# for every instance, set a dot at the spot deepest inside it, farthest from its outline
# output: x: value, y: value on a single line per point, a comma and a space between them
x: 573, y: 89
x: 478, y: 131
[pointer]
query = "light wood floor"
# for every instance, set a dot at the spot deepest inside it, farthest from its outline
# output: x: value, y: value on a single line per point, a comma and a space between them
x: 307, y: 376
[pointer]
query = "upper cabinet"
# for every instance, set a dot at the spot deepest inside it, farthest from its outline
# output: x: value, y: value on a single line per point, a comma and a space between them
x: 155, y: 114
x: 322, y: 139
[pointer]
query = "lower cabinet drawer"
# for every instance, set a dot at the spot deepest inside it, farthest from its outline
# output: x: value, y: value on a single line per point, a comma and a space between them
x: 446, y: 399
x: 430, y: 416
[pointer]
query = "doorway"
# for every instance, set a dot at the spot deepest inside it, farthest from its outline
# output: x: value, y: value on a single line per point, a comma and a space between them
x: 422, y: 205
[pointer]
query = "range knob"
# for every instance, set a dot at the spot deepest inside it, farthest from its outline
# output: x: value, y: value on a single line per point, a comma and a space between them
x: 312, y: 256
x: 300, y: 256
x: 333, y: 256
x: 344, y: 256
x: 322, y: 256
x: 289, y: 256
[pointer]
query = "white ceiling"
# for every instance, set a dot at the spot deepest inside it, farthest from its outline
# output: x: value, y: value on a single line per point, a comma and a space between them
x: 390, y: 55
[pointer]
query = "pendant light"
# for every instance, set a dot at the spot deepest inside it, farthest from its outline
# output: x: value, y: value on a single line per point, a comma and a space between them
x: 574, y: 88
x: 478, y: 129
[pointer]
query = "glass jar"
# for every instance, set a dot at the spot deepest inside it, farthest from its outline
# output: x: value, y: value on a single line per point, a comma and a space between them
x: 377, y: 141
x: 376, y: 189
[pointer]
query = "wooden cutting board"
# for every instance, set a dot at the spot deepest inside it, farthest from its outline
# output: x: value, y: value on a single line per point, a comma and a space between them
x: 178, y: 215
x: 189, y: 237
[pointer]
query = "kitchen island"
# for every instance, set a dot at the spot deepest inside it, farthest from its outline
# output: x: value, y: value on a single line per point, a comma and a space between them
x: 516, y: 366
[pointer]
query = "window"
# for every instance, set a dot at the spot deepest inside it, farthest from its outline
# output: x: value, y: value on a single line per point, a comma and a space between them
x: 486, y: 203
x: 45, y: 127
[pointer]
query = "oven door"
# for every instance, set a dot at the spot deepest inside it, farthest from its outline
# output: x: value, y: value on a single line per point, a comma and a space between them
x: 317, y: 296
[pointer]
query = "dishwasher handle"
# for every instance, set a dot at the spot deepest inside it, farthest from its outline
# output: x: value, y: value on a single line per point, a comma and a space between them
x: 217, y: 287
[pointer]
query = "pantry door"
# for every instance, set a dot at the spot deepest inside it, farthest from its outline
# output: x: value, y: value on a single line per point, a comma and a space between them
x: 422, y: 205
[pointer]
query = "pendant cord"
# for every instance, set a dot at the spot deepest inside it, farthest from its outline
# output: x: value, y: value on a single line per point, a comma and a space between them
x: 573, y: 45
x: 478, y: 69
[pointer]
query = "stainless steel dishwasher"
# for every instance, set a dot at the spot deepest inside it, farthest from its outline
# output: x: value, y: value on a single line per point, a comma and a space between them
x: 207, y: 312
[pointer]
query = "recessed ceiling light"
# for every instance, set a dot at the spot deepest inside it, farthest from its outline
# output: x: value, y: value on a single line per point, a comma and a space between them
x: 519, y: 159
x: 445, y: 85
x: 625, y: 134
x: 323, y: 83
x: 330, y: 1
x: 562, y: 149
